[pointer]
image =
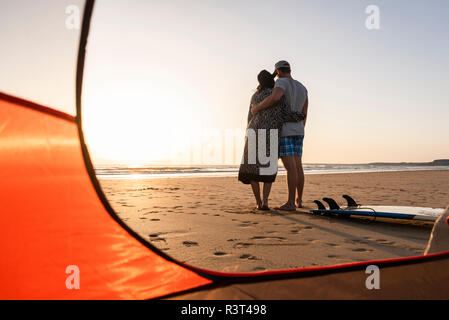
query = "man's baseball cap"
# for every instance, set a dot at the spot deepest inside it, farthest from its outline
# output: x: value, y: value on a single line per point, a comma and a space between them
x: 282, y: 64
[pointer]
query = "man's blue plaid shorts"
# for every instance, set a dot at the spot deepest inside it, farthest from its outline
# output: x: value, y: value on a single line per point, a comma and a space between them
x: 291, y: 146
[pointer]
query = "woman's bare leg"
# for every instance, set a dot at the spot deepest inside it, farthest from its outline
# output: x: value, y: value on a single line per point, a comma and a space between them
x: 256, y: 190
x: 266, y: 193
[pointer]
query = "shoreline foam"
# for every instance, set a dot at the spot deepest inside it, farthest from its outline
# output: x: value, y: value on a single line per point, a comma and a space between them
x: 234, y: 173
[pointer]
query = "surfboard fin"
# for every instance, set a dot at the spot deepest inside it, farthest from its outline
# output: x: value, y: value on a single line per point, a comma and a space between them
x: 319, y: 204
x: 351, y: 202
x: 332, y: 204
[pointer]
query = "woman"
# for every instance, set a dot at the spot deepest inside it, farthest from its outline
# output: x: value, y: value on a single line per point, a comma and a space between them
x: 271, y: 118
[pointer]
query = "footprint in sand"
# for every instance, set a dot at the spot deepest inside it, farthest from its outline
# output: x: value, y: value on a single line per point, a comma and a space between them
x: 220, y: 253
x: 332, y: 256
x: 385, y: 242
x: 258, y: 269
x: 241, y: 245
x: 358, y: 241
x: 361, y: 250
x: 155, y: 220
x: 332, y: 244
x: 294, y: 231
x: 263, y: 238
x: 190, y: 243
x: 244, y: 225
x: 355, y: 241
x: 154, y: 235
x: 248, y: 256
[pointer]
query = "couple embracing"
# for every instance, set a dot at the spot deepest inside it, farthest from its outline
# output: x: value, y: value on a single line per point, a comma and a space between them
x: 276, y: 122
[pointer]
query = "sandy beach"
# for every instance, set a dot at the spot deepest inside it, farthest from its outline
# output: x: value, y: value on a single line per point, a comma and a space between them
x: 211, y: 222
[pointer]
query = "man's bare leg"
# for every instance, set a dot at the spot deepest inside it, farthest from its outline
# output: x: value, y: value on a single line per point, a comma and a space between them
x: 292, y: 181
x: 300, y: 185
x: 256, y: 190
x: 266, y: 194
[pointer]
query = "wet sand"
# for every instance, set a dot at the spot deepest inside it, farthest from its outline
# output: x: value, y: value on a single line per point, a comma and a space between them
x: 211, y: 222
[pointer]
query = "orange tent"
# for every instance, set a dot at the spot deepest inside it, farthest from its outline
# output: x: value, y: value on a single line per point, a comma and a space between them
x: 54, y: 215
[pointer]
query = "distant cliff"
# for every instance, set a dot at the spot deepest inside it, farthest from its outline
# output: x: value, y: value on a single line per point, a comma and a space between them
x: 439, y: 162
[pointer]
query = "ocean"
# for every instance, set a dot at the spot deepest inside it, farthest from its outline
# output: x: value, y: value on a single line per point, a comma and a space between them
x: 148, y: 172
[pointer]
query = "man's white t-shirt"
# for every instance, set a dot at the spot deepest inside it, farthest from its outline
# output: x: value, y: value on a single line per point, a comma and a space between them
x: 296, y: 95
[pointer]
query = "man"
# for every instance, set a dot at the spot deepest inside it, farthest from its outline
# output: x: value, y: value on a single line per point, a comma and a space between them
x: 292, y: 133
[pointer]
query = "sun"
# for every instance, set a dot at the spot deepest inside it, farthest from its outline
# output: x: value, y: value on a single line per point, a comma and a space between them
x: 137, y: 125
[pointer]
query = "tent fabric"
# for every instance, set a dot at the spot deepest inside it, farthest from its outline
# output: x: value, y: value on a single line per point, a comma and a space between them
x: 52, y: 218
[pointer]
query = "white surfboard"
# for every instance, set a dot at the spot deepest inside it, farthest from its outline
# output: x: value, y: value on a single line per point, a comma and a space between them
x: 395, y: 212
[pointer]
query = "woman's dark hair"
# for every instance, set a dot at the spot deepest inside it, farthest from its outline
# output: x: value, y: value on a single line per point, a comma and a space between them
x: 266, y: 80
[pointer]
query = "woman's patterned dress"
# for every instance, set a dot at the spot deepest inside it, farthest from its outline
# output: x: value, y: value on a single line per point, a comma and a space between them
x: 270, y: 118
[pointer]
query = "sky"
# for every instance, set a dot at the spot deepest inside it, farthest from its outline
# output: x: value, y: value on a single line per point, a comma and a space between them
x: 169, y: 83
x: 38, y: 52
